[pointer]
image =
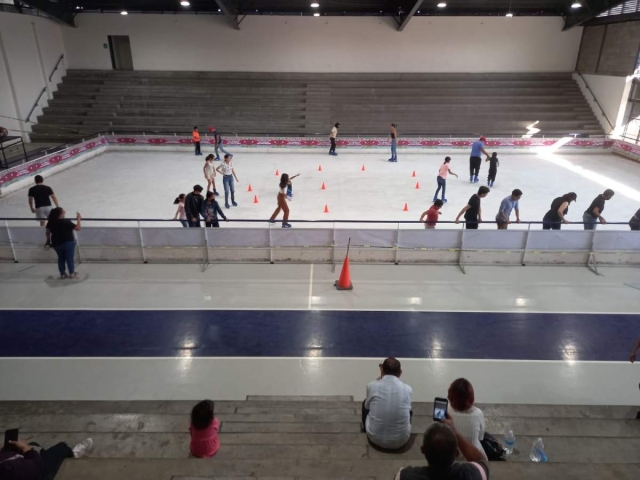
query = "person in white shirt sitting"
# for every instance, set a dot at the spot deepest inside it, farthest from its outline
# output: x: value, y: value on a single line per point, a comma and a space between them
x: 469, y: 420
x: 386, y: 412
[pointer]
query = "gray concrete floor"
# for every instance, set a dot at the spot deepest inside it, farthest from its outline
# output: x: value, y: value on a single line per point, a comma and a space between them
x: 314, y: 438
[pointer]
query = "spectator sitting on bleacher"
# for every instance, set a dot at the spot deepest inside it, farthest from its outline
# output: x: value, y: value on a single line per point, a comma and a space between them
x: 386, y: 412
x: 469, y: 419
x: 441, y: 446
x: 205, y: 442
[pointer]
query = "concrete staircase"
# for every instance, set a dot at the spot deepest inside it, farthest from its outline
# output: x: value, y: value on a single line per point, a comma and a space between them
x: 308, y: 104
x: 314, y: 438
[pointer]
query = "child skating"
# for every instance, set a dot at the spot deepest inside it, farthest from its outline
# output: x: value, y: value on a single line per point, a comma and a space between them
x: 196, y: 141
x: 209, y: 171
x: 443, y: 171
x: 493, y: 169
x: 432, y: 214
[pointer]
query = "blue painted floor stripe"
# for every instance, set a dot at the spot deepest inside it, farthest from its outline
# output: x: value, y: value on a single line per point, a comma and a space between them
x: 509, y: 336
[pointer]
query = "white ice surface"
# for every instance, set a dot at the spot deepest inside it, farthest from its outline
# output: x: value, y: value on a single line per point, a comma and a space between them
x: 144, y: 185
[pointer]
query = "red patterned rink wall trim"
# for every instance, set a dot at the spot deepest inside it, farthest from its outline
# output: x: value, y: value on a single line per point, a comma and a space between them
x: 627, y: 149
x: 354, y: 142
x: 12, y: 175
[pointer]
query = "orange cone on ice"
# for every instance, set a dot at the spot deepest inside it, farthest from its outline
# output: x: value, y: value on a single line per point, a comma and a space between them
x: 417, y: 185
x: 406, y: 207
x: 326, y: 209
x: 363, y: 169
x: 250, y: 189
x: 323, y: 187
x: 277, y: 172
x: 319, y: 168
x: 413, y: 174
x: 255, y: 199
x: 344, y: 282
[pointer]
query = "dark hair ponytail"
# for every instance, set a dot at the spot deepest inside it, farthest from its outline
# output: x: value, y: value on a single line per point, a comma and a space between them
x: 179, y: 199
x: 284, y: 180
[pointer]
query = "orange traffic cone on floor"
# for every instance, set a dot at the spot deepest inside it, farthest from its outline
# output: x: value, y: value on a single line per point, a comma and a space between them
x: 406, y: 207
x: 255, y: 199
x: 323, y: 187
x: 277, y: 172
x: 250, y: 189
x: 319, y: 168
x: 417, y: 185
x: 326, y: 209
x: 413, y: 174
x: 363, y: 169
x: 344, y: 282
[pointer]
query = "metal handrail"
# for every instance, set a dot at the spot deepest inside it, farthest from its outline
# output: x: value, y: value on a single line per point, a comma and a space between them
x: 44, y: 89
x: 56, y: 67
x: 595, y: 99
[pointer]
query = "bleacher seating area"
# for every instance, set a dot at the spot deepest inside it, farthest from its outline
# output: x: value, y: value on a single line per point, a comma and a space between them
x: 315, y: 438
x: 308, y: 104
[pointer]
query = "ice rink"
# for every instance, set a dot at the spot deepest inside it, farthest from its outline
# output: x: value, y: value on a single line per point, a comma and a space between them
x: 145, y: 184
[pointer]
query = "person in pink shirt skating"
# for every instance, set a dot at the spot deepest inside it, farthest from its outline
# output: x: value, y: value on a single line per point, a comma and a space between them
x: 443, y: 171
x: 204, y: 430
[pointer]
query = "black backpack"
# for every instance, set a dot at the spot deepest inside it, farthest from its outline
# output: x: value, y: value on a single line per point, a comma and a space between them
x: 492, y: 448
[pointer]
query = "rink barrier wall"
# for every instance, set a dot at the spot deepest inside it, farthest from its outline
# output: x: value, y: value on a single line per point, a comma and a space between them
x: 327, y: 243
x: 19, y: 176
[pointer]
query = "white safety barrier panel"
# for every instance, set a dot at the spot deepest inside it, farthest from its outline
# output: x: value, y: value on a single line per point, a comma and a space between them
x: 328, y: 244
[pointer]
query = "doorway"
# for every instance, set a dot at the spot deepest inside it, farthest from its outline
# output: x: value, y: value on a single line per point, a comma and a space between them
x: 120, y: 49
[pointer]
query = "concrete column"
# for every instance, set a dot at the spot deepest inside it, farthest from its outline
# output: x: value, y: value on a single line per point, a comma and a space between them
x: 14, y: 96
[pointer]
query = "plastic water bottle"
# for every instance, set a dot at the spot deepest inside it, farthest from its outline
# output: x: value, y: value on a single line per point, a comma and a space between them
x: 537, y: 452
x: 509, y: 442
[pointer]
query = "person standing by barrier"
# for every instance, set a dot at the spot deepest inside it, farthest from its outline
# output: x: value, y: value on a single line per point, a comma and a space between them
x: 507, y: 205
x: 211, y: 210
x: 634, y: 223
x: 493, y: 169
x: 282, y: 202
x: 332, y: 138
x: 472, y: 211
x: 193, y: 206
x: 40, y: 198
x: 394, y: 143
x: 209, y: 171
x: 218, y: 143
x: 61, y: 238
x: 228, y: 174
x: 443, y: 171
x: 556, y: 215
x: 475, y: 160
x: 432, y: 214
x: 593, y: 214
x: 196, y: 140
x: 180, y: 213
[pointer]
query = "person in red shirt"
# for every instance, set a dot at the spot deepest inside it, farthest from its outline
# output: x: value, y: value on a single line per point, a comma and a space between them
x: 432, y: 214
x: 204, y: 431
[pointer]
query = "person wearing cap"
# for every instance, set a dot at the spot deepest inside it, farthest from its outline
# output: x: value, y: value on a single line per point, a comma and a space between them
x: 476, y: 160
x: 394, y: 143
x: 556, y: 215
x: 593, y: 214
x: 332, y: 139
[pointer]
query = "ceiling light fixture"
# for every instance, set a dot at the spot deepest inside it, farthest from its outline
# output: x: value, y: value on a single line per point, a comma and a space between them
x: 442, y: 4
x: 509, y: 15
x: 184, y: 3
x: 315, y: 5
x: 124, y: 12
x: 576, y: 5
x: 316, y: 14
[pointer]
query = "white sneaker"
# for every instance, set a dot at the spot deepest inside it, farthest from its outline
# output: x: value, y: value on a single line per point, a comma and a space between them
x: 81, y: 449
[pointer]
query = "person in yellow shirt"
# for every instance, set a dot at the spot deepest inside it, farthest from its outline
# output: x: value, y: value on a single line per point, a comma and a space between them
x: 196, y: 140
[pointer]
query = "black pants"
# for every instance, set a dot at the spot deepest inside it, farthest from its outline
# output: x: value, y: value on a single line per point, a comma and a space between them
x: 492, y: 175
x: 550, y: 223
x: 213, y: 224
x: 474, y: 166
x: 52, y: 459
x: 471, y: 223
x: 634, y: 224
x: 333, y: 145
x: 197, y: 144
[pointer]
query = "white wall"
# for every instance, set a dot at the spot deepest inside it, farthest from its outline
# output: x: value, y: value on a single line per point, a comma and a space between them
x: 19, y: 58
x: 612, y: 94
x: 336, y: 44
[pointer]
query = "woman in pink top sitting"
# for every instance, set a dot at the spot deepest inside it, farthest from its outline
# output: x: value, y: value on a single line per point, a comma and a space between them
x: 204, y: 430
x: 443, y: 171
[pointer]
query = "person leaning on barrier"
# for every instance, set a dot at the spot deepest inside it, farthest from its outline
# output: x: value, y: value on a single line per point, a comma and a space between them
x: 441, y: 445
x: 593, y: 214
x: 634, y: 223
x: 556, y: 215
x: 508, y: 204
